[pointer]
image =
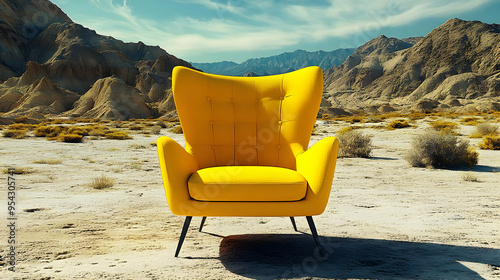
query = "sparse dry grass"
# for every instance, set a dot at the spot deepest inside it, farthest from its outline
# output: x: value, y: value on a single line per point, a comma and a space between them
x: 444, y: 126
x: 439, y: 150
x: 137, y: 146
x: 18, y: 170
x: 469, y: 177
x: 102, y: 182
x: 48, y: 161
x: 348, y: 129
x: 470, y: 120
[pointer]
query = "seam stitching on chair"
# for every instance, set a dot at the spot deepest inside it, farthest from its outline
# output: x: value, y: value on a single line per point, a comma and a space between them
x: 282, y: 96
x: 211, y: 121
x: 256, y: 121
x: 233, y: 102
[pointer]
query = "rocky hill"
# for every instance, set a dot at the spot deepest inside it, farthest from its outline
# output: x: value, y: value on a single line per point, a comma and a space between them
x: 455, y: 67
x: 41, y: 45
x: 282, y: 63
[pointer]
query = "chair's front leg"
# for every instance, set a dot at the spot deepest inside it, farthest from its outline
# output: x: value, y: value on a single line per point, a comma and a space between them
x: 183, y: 234
x: 314, y: 233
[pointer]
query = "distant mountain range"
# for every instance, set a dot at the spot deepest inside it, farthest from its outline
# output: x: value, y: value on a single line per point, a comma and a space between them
x: 277, y: 64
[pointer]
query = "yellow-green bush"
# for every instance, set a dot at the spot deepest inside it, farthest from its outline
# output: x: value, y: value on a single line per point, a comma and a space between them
x: 21, y: 126
x: 15, y: 133
x: 444, y: 126
x: 118, y: 135
x: 490, y: 142
x: 438, y: 150
x: 397, y: 124
x: 49, y: 131
x: 70, y: 137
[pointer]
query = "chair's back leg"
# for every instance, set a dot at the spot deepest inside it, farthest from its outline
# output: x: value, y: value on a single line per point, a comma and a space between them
x: 314, y: 233
x: 187, y: 221
x: 202, y: 223
x: 293, y: 223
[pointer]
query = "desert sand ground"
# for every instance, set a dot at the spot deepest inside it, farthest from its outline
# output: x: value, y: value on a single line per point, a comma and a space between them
x: 384, y: 220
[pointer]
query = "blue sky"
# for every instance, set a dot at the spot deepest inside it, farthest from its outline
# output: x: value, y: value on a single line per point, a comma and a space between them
x: 217, y: 30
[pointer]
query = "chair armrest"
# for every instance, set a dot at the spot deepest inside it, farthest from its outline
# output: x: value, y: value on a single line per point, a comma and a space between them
x: 176, y: 166
x: 317, y: 165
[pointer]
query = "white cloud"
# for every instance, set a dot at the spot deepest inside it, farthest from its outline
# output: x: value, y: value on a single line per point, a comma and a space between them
x: 261, y: 25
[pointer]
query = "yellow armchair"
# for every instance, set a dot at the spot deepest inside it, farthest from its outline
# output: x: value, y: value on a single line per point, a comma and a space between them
x: 246, y: 148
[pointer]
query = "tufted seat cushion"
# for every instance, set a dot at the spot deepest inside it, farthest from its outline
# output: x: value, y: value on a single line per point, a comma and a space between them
x: 247, y: 183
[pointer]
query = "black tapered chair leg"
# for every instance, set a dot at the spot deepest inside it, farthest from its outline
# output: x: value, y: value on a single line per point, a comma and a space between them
x: 314, y: 233
x: 187, y: 221
x: 293, y: 223
x: 202, y: 223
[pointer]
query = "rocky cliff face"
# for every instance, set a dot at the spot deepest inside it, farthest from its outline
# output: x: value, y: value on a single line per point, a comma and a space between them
x: 38, y: 41
x: 456, y: 66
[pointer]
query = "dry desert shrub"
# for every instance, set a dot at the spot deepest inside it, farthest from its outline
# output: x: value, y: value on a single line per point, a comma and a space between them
x: 354, y: 144
x: 117, y: 124
x: 118, y: 135
x: 177, y: 129
x: 98, y: 131
x: 102, y: 182
x: 21, y: 119
x: 483, y: 129
x: 49, y: 131
x: 15, y: 133
x: 372, y: 119
x: 439, y: 150
x: 136, y: 127
x: 490, y: 142
x: 155, y: 130
x: 70, y: 137
x: 397, y: 124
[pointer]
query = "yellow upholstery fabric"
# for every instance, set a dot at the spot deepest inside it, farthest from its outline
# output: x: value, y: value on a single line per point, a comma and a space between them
x: 248, y: 122
x: 247, y: 183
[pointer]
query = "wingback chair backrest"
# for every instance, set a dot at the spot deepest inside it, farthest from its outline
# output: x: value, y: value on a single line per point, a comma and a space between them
x: 247, y: 120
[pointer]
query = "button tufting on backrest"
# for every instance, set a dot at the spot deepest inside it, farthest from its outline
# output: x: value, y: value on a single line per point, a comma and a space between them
x: 247, y: 120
